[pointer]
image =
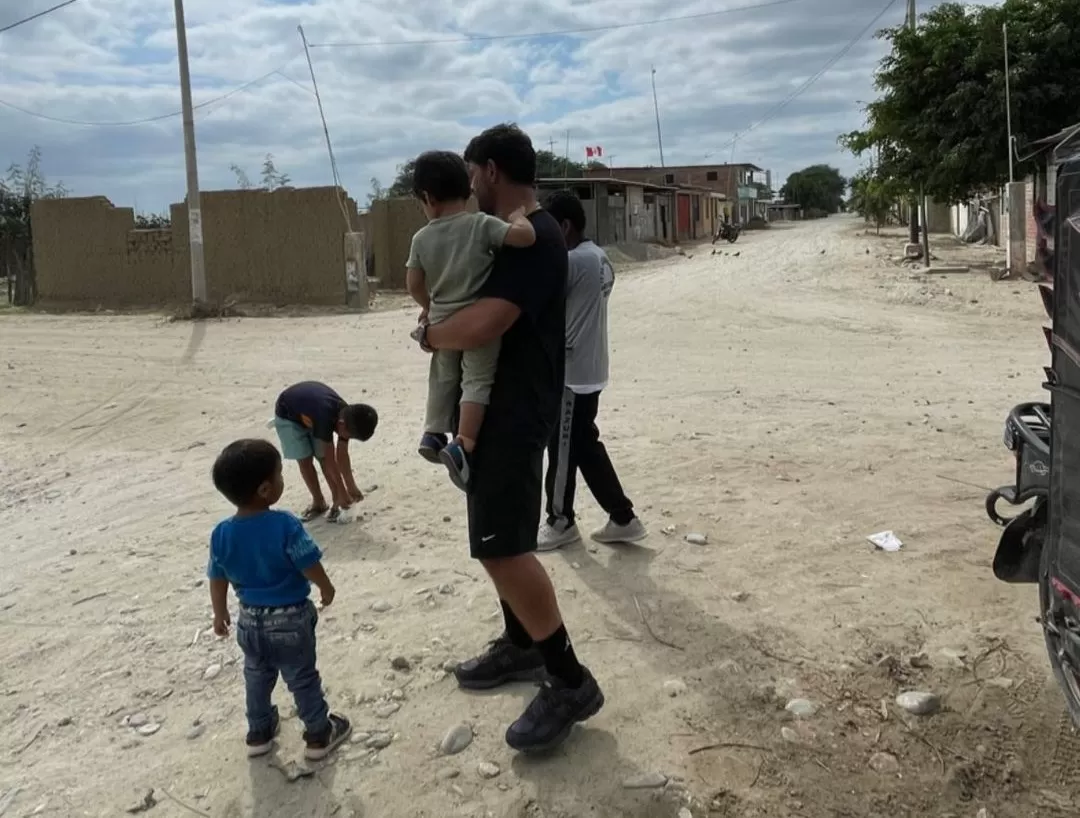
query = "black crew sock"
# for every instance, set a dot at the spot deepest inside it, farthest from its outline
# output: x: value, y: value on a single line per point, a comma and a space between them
x: 560, y: 659
x: 515, y: 631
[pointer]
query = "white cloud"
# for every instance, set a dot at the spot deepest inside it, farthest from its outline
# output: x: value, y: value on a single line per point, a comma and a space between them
x: 114, y: 60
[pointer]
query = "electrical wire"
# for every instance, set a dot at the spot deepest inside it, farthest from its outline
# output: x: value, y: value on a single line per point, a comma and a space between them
x: 566, y: 32
x: 149, y: 119
x: 26, y: 20
x: 843, y: 52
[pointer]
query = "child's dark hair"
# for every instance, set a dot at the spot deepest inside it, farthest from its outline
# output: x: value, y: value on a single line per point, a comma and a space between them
x: 442, y: 175
x: 242, y: 467
x: 360, y: 420
x: 564, y: 206
x: 509, y: 148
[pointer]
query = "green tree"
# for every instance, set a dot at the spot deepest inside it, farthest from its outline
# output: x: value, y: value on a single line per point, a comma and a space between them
x: 19, y: 189
x: 874, y: 197
x: 817, y: 187
x: 270, y: 177
x: 940, y: 121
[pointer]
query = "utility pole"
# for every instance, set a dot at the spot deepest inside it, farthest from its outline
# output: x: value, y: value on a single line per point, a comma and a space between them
x: 551, y: 150
x: 913, y: 205
x: 656, y: 108
x: 566, y: 158
x: 1008, y: 99
x: 195, y: 234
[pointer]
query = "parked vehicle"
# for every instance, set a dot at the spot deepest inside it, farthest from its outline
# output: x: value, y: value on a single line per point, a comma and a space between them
x: 729, y: 231
x: 1041, y: 544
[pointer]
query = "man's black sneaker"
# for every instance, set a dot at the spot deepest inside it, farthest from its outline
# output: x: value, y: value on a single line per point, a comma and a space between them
x: 261, y: 743
x: 502, y: 662
x: 550, y: 717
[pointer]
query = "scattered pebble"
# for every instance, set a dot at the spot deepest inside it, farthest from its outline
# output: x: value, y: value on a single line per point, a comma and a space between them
x: 919, y: 660
x: 400, y: 663
x: 381, y: 606
x: 982, y: 813
x: 380, y: 741
x: 385, y: 711
x: 488, y: 770
x: 684, y: 812
x: 149, y: 729
x: 645, y: 781
x: 740, y: 596
x: 1002, y: 682
x: 136, y: 720
x: 450, y: 665
x: 397, y: 695
x: 293, y: 771
x: 457, y: 738
x: 147, y: 803
x: 196, y: 731
x: 447, y: 774
x: 446, y: 519
x: 408, y: 573
x: 674, y: 687
x: 359, y: 738
x: 697, y: 539
x: 884, y: 763
x: 446, y: 589
x: 64, y: 722
x: 919, y: 703
x: 801, y: 708
x: 212, y: 672
x: 787, y: 734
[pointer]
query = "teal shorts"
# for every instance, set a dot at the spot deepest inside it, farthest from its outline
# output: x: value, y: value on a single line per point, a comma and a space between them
x: 297, y: 442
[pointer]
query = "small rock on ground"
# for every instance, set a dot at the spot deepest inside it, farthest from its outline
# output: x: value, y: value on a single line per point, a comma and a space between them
x: 684, y: 812
x: 885, y: 763
x: 919, y: 703
x: 487, y: 769
x: 385, y: 711
x: 400, y: 663
x: 447, y: 774
x: 787, y: 734
x: 801, y: 708
x: 450, y: 665
x: 137, y: 720
x: 381, y: 606
x: 740, y: 596
x: 674, y: 687
x: 645, y: 781
x: 697, y: 539
x: 149, y: 729
x: 212, y: 672
x: 457, y: 738
x: 379, y: 742
x: 196, y: 731
x: 408, y: 573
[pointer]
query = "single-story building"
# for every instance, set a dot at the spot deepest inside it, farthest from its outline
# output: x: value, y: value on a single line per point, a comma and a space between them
x: 778, y: 210
x: 619, y: 211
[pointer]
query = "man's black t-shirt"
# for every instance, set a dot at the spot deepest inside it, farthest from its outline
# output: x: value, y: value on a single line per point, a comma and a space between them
x: 313, y: 405
x: 528, y: 384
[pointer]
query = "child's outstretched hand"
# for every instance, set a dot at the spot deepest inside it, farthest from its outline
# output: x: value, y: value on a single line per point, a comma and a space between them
x: 222, y: 622
x: 326, y: 595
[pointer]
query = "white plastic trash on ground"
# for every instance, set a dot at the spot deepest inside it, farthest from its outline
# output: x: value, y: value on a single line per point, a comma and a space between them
x: 886, y: 541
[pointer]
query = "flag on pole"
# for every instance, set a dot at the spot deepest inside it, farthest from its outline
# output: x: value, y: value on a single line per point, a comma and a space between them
x: 593, y: 151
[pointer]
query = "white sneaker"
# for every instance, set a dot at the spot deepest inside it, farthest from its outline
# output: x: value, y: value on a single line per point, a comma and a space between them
x: 633, y: 531
x: 554, y: 537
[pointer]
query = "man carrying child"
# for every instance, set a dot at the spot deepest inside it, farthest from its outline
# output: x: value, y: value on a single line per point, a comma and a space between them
x: 449, y: 261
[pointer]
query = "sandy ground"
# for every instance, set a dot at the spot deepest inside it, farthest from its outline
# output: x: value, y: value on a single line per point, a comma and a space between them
x: 785, y: 402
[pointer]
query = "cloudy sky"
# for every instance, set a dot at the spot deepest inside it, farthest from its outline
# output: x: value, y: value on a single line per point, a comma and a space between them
x: 726, y: 66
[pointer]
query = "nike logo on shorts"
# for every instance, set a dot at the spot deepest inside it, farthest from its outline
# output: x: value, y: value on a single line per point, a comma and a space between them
x: 488, y: 538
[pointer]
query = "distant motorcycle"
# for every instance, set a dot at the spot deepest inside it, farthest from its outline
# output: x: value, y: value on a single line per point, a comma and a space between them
x: 728, y: 231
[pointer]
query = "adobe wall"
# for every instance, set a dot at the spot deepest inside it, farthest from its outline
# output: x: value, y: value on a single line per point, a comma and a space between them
x: 392, y: 223
x: 279, y: 247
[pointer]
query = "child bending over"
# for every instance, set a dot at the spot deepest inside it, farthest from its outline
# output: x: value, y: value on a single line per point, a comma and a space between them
x: 450, y: 259
x: 270, y: 561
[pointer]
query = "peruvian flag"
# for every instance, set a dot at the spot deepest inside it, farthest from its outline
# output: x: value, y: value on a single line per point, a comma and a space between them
x: 593, y: 150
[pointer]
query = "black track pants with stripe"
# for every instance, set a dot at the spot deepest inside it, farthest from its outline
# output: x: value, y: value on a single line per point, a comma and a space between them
x: 576, y: 445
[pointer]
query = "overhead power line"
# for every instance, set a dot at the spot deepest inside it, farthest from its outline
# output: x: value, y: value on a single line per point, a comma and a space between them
x: 566, y: 32
x: 839, y: 55
x: 149, y: 119
x: 26, y: 20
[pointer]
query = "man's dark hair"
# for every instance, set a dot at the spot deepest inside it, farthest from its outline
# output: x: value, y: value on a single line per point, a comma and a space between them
x: 509, y: 148
x: 442, y: 175
x: 566, y: 207
x: 360, y: 420
x: 242, y: 467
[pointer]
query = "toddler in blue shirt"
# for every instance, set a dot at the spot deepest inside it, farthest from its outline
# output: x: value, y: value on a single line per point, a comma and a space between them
x: 270, y: 561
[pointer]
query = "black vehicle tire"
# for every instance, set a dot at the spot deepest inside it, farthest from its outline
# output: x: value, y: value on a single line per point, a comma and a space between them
x: 1066, y: 679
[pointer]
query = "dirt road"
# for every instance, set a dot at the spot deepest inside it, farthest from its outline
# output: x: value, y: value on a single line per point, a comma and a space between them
x: 785, y: 402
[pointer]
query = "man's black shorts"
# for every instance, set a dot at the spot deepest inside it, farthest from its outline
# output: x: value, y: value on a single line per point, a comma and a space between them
x: 505, y: 497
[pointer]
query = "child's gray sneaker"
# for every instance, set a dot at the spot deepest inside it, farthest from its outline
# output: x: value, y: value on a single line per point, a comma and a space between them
x: 613, y: 533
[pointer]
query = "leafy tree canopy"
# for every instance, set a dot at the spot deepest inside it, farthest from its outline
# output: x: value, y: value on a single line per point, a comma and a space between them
x: 818, y: 187
x: 270, y: 178
x: 940, y: 122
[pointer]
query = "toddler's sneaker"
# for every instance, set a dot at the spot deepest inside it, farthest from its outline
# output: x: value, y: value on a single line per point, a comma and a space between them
x: 453, y: 457
x: 430, y: 446
x: 261, y: 743
x: 319, y: 747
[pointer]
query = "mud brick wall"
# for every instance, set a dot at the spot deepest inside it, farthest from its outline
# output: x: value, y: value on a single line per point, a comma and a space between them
x: 279, y: 247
